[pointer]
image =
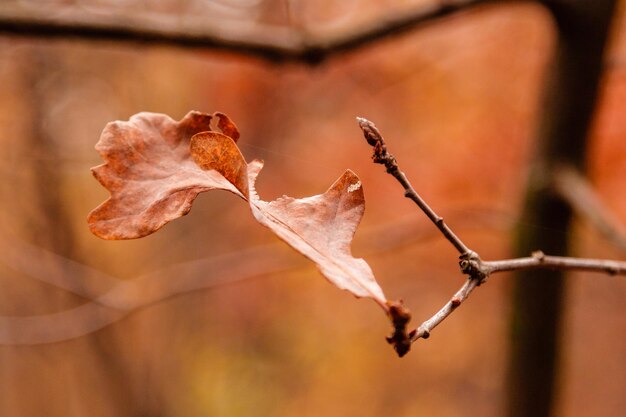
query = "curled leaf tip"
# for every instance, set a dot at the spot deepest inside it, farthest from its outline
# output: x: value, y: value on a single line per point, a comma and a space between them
x: 227, y: 126
x: 216, y: 151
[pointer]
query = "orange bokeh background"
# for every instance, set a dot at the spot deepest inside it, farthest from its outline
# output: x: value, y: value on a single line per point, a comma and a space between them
x: 457, y: 101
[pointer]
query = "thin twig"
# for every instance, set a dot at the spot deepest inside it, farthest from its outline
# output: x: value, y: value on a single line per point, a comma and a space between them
x: 470, y: 262
x: 537, y: 260
x: 540, y: 260
x: 476, y: 266
x: 574, y: 188
x: 423, y: 331
x: 381, y: 156
x: 271, y: 43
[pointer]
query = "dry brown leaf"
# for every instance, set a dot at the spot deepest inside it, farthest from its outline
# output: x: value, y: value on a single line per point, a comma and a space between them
x: 155, y: 167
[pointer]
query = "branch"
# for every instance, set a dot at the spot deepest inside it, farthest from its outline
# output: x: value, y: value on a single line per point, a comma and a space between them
x: 381, y: 156
x: 269, y: 42
x: 486, y: 268
x: 470, y: 262
x: 574, y: 188
x: 423, y: 331
x: 540, y: 260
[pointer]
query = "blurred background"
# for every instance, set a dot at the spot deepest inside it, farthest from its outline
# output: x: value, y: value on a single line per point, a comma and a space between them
x: 222, y: 318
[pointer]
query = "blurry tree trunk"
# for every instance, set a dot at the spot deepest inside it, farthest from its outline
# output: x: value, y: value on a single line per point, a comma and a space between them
x: 47, y: 224
x: 570, y: 95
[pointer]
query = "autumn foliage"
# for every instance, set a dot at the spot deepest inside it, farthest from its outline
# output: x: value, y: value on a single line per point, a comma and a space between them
x: 155, y: 168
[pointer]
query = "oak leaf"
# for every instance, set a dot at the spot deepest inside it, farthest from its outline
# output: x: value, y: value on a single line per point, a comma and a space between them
x: 155, y: 167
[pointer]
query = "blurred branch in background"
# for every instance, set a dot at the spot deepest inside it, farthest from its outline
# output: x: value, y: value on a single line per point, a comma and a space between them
x: 273, y: 43
x: 124, y: 297
x: 111, y: 298
x: 576, y: 189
